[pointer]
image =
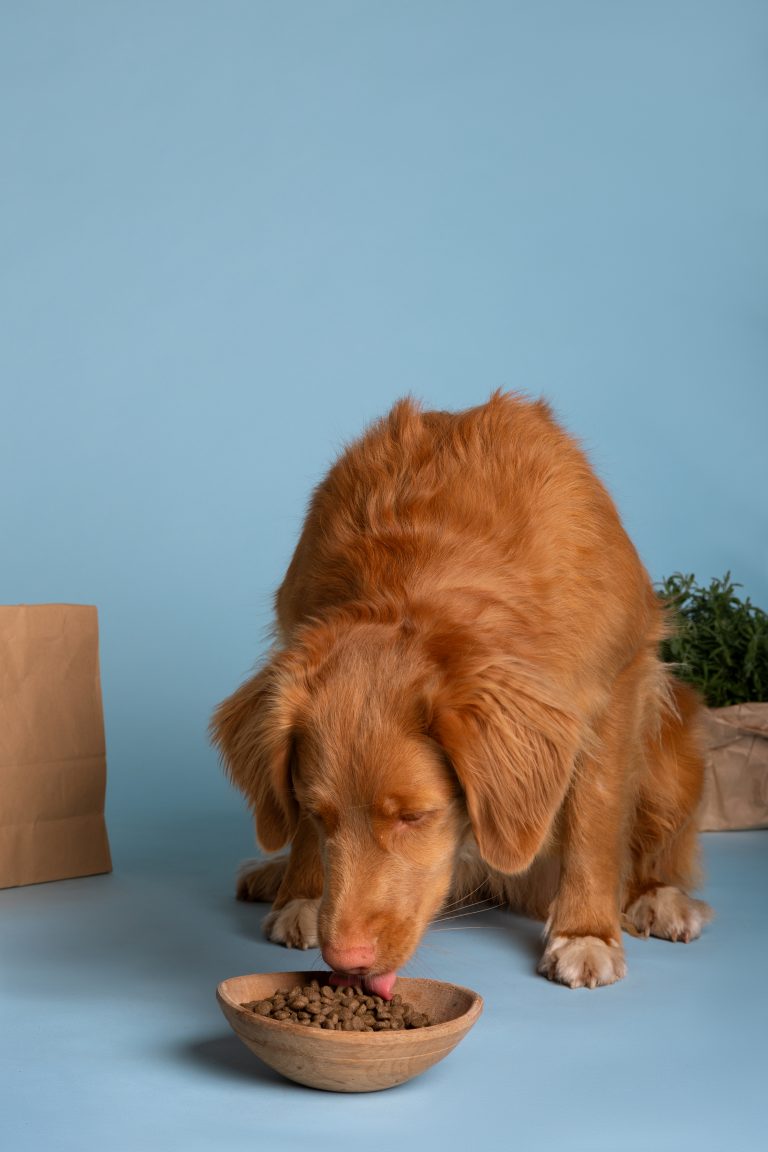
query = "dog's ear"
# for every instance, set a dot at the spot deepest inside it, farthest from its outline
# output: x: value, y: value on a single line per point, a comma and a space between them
x: 512, y: 750
x: 254, y: 732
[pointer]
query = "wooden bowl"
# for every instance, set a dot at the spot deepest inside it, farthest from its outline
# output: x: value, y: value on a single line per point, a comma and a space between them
x: 349, y: 1061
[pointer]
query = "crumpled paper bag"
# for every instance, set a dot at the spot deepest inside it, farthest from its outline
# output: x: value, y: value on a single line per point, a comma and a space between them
x: 52, y: 751
x: 736, y: 774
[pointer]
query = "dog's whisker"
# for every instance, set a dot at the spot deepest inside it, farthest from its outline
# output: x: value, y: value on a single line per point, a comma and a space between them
x: 471, y: 927
x: 442, y: 951
x: 461, y: 915
x: 463, y: 904
x: 461, y: 899
x: 417, y: 962
x: 467, y: 907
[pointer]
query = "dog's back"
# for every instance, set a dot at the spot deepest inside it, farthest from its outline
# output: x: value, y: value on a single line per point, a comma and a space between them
x: 497, y: 503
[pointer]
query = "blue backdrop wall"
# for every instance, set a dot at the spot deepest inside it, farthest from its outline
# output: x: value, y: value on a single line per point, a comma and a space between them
x: 234, y: 233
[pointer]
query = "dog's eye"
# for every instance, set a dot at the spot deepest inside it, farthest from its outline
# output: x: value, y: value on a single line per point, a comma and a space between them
x: 412, y: 817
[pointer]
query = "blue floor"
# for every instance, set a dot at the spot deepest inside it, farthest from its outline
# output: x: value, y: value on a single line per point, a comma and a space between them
x: 111, y: 1038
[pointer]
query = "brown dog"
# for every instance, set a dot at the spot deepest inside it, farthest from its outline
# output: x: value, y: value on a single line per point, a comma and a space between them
x: 466, y: 698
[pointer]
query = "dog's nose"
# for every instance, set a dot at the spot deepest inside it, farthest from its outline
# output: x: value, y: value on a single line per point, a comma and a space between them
x: 351, y: 958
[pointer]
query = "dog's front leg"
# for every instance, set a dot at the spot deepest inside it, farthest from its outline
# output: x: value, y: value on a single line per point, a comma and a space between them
x: 293, y: 919
x: 583, y: 934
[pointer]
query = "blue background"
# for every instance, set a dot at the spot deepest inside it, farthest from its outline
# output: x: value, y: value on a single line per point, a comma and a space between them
x: 233, y: 233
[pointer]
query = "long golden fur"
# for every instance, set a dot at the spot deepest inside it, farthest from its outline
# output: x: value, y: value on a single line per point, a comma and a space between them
x: 466, y: 697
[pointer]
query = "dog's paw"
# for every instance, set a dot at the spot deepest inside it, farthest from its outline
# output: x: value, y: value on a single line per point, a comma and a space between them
x: 668, y: 913
x: 294, y: 925
x: 582, y: 961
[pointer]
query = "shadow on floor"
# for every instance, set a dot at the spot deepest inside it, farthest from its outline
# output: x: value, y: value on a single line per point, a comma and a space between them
x: 227, y: 1056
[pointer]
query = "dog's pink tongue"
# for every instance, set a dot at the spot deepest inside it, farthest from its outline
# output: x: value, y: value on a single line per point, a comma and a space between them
x: 382, y: 984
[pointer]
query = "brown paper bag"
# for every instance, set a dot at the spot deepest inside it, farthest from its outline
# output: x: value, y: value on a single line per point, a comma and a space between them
x: 52, y: 754
x: 736, y: 775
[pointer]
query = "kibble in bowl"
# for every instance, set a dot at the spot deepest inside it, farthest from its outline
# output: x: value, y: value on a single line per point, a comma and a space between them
x: 317, y: 1005
x: 346, y: 1040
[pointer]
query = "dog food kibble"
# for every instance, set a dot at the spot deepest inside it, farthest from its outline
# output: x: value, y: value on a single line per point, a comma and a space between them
x: 339, y: 1009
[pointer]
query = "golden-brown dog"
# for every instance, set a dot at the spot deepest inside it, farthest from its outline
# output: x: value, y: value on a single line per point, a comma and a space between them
x: 466, y: 698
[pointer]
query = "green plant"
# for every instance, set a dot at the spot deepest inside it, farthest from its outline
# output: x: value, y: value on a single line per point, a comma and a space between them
x: 720, y: 642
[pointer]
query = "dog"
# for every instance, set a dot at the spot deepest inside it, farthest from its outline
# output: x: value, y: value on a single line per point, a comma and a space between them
x: 465, y: 698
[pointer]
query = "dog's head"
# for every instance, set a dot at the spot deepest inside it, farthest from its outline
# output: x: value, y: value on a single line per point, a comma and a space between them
x: 396, y: 743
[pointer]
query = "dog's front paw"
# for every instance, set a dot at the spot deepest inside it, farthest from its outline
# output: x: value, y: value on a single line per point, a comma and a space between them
x: 582, y: 961
x: 668, y: 913
x: 295, y: 924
